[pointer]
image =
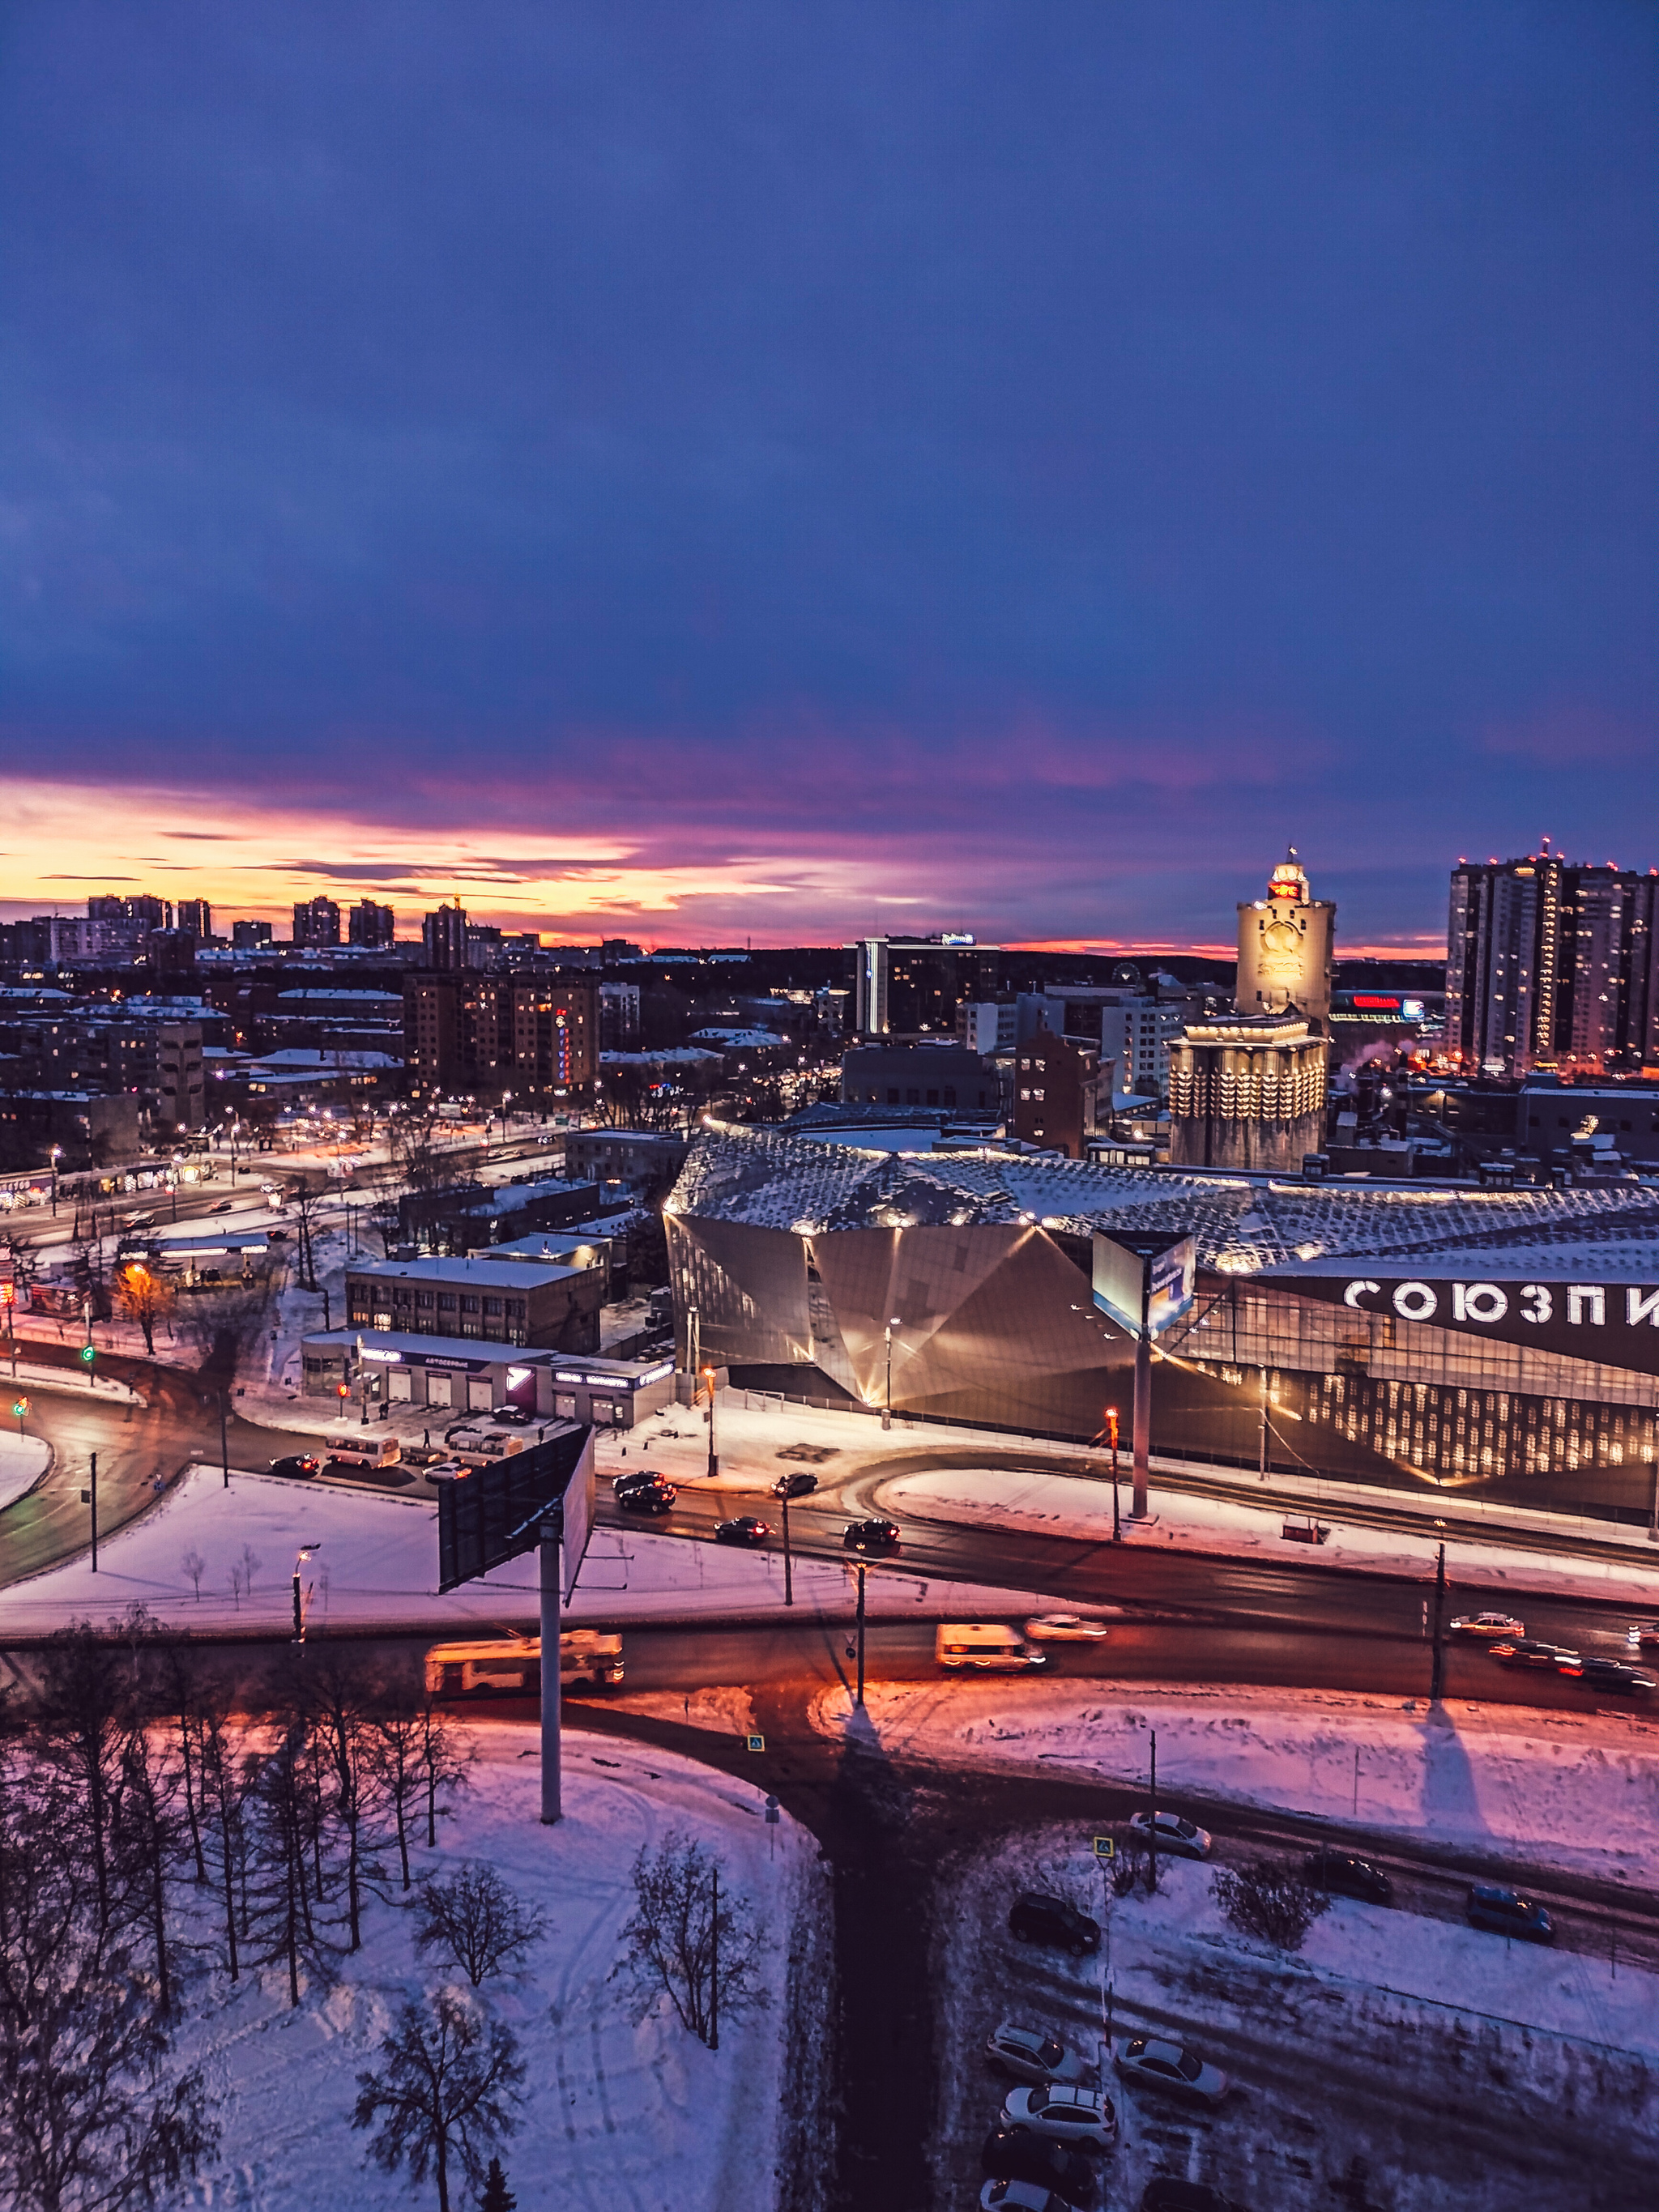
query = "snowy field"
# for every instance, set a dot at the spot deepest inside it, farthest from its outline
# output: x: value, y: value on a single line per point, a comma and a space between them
x: 376, y: 1561
x: 616, y: 2117
x: 1354, y: 2081
x: 1567, y: 1789
x: 1059, y: 1504
x: 23, y: 1461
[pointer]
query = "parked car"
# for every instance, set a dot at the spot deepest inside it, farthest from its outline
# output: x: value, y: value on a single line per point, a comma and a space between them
x: 1348, y: 1875
x: 1609, y: 1674
x: 514, y: 1417
x: 1064, y: 1628
x: 872, y: 1536
x: 1171, y: 2067
x: 1168, y: 2192
x: 1083, y: 2119
x: 296, y: 1463
x: 1645, y: 1635
x: 1020, y: 2197
x: 1491, y: 1625
x: 1506, y: 1912
x: 745, y: 1529
x: 800, y: 1484
x: 648, y: 1498
x: 1177, y: 1835
x: 1031, y: 2054
x: 639, y: 1478
x: 1035, y: 1917
x: 1530, y: 1651
x: 1011, y: 2154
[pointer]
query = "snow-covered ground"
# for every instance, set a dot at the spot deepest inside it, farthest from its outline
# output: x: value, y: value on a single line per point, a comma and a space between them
x: 1571, y: 1789
x: 1051, y: 1505
x: 1425, y: 2062
x: 375, y: 1559
x: 615, y: 2115
x: 23, y: 1461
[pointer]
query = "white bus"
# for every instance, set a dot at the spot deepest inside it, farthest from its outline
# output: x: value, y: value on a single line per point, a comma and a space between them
x: 985, y: 1647
x: 512, y: 1668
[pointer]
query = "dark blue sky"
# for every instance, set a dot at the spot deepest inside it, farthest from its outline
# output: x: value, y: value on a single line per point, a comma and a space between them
x: 829, y: 468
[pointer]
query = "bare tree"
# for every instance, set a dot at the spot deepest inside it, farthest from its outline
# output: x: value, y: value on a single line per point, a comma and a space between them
x: 192, y: 1563
x: 83, y: 1724
x: 182, y: 1706
x: 395, y: 1754
x: 289, y: 1872
x: 475, y: 1921
x: 345, y: 1730
x: 143, y: 1296
x: 690, y: 1941
x: 1263, y: 1900
x: 250, y: 1560
x: 224, y: 1327
x: 226, y: 1779
x: 305, y: 1203
x: 443, y: 2093
x: 445, y: 1762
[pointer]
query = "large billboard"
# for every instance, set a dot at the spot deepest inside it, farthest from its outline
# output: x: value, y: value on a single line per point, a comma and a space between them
x: 1614, y: 1323
x: 1144, y: 1281
x: 497, y: 1512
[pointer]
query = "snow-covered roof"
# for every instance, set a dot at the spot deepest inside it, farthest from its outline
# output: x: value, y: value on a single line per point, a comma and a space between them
x: 1243, y: 1224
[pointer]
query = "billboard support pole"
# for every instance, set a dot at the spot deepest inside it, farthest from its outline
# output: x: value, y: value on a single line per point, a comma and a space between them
x: 1143, y: 1421
x: 548, y: 1553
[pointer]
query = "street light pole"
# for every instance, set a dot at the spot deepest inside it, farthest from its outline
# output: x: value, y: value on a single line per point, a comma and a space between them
x: 859, y: 1698
x: 788, y: 1565
x: 1111, y: 1423
x: 1437, y: 1665
x: 224, y: 1439
x: 303, y: 1554
x: 1261, y: 1454
x: 714, y: 1452
x: 887, y: 1408
x: 94, y: 1511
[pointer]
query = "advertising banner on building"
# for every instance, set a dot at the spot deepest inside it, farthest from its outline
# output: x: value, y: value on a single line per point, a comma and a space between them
x: 1616, y: 1323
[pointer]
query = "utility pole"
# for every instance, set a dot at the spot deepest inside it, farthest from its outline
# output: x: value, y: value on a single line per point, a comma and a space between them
x: 887, y: 1402
x: 548, y: 1560
x: 713, y: 1451
x: 1437, y: 1672
x: 1151, y: 1833
x: 788, y: 1563
x: 224, y: 1439
x: 1262, y: 1459
x: 1143, y: 1420
x: 1117, y: 1525
x: 92, y: 1494
x: 858, y: 1700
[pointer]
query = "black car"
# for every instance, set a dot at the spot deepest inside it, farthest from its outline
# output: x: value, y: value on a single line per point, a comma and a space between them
x: 872, y: 1536
x: 639, y: 1478
x: 1348, y: 1875
x: 1505, y: 1912
x: 513, y: 1417
x: 745, y: 1529
x: 1530, y: 1651
x: 296, y: 1463
x: 1168, y: 2192
x: 648, y: 1498
x: 1016, y: 2154
x: 798, y: 1485
x: 1611, y: 1675
x: 1037, y: 1918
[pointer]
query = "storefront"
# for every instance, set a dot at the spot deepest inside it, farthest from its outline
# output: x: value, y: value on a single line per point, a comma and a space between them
x: 384, y: 1369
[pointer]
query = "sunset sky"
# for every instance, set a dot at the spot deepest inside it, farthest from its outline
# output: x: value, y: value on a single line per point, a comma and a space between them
x: 700, y: 472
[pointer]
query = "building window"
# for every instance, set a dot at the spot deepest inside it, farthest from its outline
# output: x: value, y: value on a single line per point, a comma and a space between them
x: 516, y: 1308
x: 445, y: 1302
x: 383, y: 1319
x: 424, y: 1297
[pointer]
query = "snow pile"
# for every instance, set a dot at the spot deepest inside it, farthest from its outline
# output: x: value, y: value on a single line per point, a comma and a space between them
x: 1576, y: 1790
x: 376, y: 1561
x: 23, y: 1461
x: 613, y: 2114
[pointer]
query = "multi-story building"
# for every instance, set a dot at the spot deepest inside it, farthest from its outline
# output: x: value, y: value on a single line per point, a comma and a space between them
x: 1056, y: 1083
x: 1287, y: 948
x: 1247, y: 1092
x: 371, y: 925
x: 1132, y: 1025
x: 531, y: 1031
x: 443, y: 937
x: 913, y: 986
x: 195, y: 915
x: 1552, y: 965
x: 494, y: 1301
x: 250, y: 936
x: 988, y: 1026
x: 316, y: 922
x: 645, y: 1160
x: 948, y: 1076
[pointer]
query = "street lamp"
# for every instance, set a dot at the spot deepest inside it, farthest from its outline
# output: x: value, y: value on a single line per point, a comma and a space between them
x: 303, y: 1554
x: 56, y: 1155
x: 887, y: 1407
x: 1111, y: 1430
x: 714, y: 1455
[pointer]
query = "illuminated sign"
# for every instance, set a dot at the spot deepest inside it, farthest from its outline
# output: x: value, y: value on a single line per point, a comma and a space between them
x: 1144, y: 1282
x: 1616, y: 1324
x: 382, y: 1358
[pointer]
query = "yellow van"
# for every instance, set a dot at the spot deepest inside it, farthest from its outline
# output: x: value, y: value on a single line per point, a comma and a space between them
x: 985, y: 1647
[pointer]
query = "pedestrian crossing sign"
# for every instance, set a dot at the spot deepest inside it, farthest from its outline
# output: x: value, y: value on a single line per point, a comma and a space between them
x: 757, y: 1743
x: 1105, y: 1847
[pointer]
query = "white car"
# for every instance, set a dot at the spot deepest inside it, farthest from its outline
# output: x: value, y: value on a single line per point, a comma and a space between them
x: 1491, y: 1625
x: 1080, y: 2118
x: 1020, y: 2197
x: 1177, y: 1836
x: 1064, y: 1628
x: 1030, y: 2055
x: 1169, y: 2066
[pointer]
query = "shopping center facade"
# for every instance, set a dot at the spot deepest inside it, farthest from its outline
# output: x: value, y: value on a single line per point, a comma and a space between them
x: 1501, y: 1342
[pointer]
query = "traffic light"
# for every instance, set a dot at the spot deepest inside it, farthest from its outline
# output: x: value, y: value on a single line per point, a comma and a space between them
x: 343, y: 1388
x: 88, y: 1354
x: 20, y: 1407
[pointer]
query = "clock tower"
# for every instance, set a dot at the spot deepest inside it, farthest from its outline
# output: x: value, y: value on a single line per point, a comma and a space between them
x: 1287, y: 948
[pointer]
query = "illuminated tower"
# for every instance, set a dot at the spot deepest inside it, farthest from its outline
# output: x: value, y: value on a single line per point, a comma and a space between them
x: 1287, y: 947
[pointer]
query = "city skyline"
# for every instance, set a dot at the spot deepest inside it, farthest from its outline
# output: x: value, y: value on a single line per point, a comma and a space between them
x: 798, y: 479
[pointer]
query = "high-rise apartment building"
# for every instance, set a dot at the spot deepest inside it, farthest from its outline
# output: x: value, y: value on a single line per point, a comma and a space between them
x: 1552, y: 965
x: 443, y: 937
x: 195, y: 915
x: 316, y: 922
x: 371, y: 925
x: 485, y: 1033
x: 250, y: 936
x: 913, y: 986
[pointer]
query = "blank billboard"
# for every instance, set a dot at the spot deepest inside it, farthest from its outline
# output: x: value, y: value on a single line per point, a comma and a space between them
x: 498, y: 1513
x: 1151, y: 1278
